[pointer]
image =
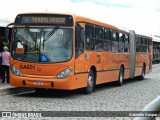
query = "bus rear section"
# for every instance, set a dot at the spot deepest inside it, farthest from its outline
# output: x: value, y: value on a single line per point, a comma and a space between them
x: 140, y: 54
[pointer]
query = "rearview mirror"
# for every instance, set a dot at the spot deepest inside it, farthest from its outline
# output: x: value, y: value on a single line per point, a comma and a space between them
x: 7, y: 32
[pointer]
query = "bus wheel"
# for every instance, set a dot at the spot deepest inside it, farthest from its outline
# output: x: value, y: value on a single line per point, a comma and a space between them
x: 90, y: 85
x: 143, y: 74
x: 121, y: 77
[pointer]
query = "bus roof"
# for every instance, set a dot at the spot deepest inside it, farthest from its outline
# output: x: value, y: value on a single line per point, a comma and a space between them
x: 91, y: 21
x: 78, y: 18
x: 144, y: 36
x: 156, y: 39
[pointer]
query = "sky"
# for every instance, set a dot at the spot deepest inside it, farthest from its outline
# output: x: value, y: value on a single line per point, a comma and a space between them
x: 143, y: 16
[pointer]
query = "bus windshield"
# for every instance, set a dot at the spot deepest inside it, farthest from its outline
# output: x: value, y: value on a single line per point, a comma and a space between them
x: 45, y: 45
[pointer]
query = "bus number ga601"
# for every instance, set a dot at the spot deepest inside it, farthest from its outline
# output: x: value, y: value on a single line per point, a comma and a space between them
x: 31, y: 67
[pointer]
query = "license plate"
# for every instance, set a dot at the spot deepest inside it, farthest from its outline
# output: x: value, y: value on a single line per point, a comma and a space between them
x: 38, y: 83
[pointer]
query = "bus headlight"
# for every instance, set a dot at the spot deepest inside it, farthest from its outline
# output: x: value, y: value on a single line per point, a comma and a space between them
x: 65, y: 73
x: 15, y: 71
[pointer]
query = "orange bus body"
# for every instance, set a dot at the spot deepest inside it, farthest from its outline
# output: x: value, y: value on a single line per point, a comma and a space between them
x: 105, y: 65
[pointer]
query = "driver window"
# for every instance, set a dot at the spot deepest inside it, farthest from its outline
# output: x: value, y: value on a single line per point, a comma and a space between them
x: 79, y: 40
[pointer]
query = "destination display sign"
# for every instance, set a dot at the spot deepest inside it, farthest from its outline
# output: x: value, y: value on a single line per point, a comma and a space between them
x: 44, y: 19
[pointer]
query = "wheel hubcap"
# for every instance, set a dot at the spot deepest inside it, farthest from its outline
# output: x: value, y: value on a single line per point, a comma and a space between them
x: 121, y: 78
x: 90, y: 82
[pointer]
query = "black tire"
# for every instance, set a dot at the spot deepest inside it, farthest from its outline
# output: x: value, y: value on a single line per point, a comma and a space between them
x: 142, y: 77
x: 121, y: 77
x: 90, y: 83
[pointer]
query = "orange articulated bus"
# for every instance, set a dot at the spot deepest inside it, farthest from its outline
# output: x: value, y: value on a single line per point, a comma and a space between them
x: 64, y: 51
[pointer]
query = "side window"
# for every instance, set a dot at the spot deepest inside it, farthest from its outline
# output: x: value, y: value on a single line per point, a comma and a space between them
x: 140, y: 46
x: 79, y: 40
x: 115, y: 41
x: 144, y: 44
x: 137, y: 48
x: 147, y: 44
x: 121, y: 42
x: 107, y: 41
x: 126, y: 43
x: 99, y: 39
x: 89, y: 37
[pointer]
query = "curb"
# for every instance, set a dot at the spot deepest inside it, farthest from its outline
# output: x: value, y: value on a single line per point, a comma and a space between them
x: 6, y: 89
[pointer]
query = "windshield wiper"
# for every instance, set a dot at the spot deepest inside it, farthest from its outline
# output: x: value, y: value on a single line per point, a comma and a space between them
x: 31, y: 34
x: 51, y: 33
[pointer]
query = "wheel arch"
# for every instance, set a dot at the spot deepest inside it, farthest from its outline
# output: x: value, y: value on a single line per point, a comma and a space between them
x: 122, y: 66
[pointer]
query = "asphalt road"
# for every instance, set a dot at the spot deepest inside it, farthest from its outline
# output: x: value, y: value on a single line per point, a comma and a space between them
x: 134, y: 95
